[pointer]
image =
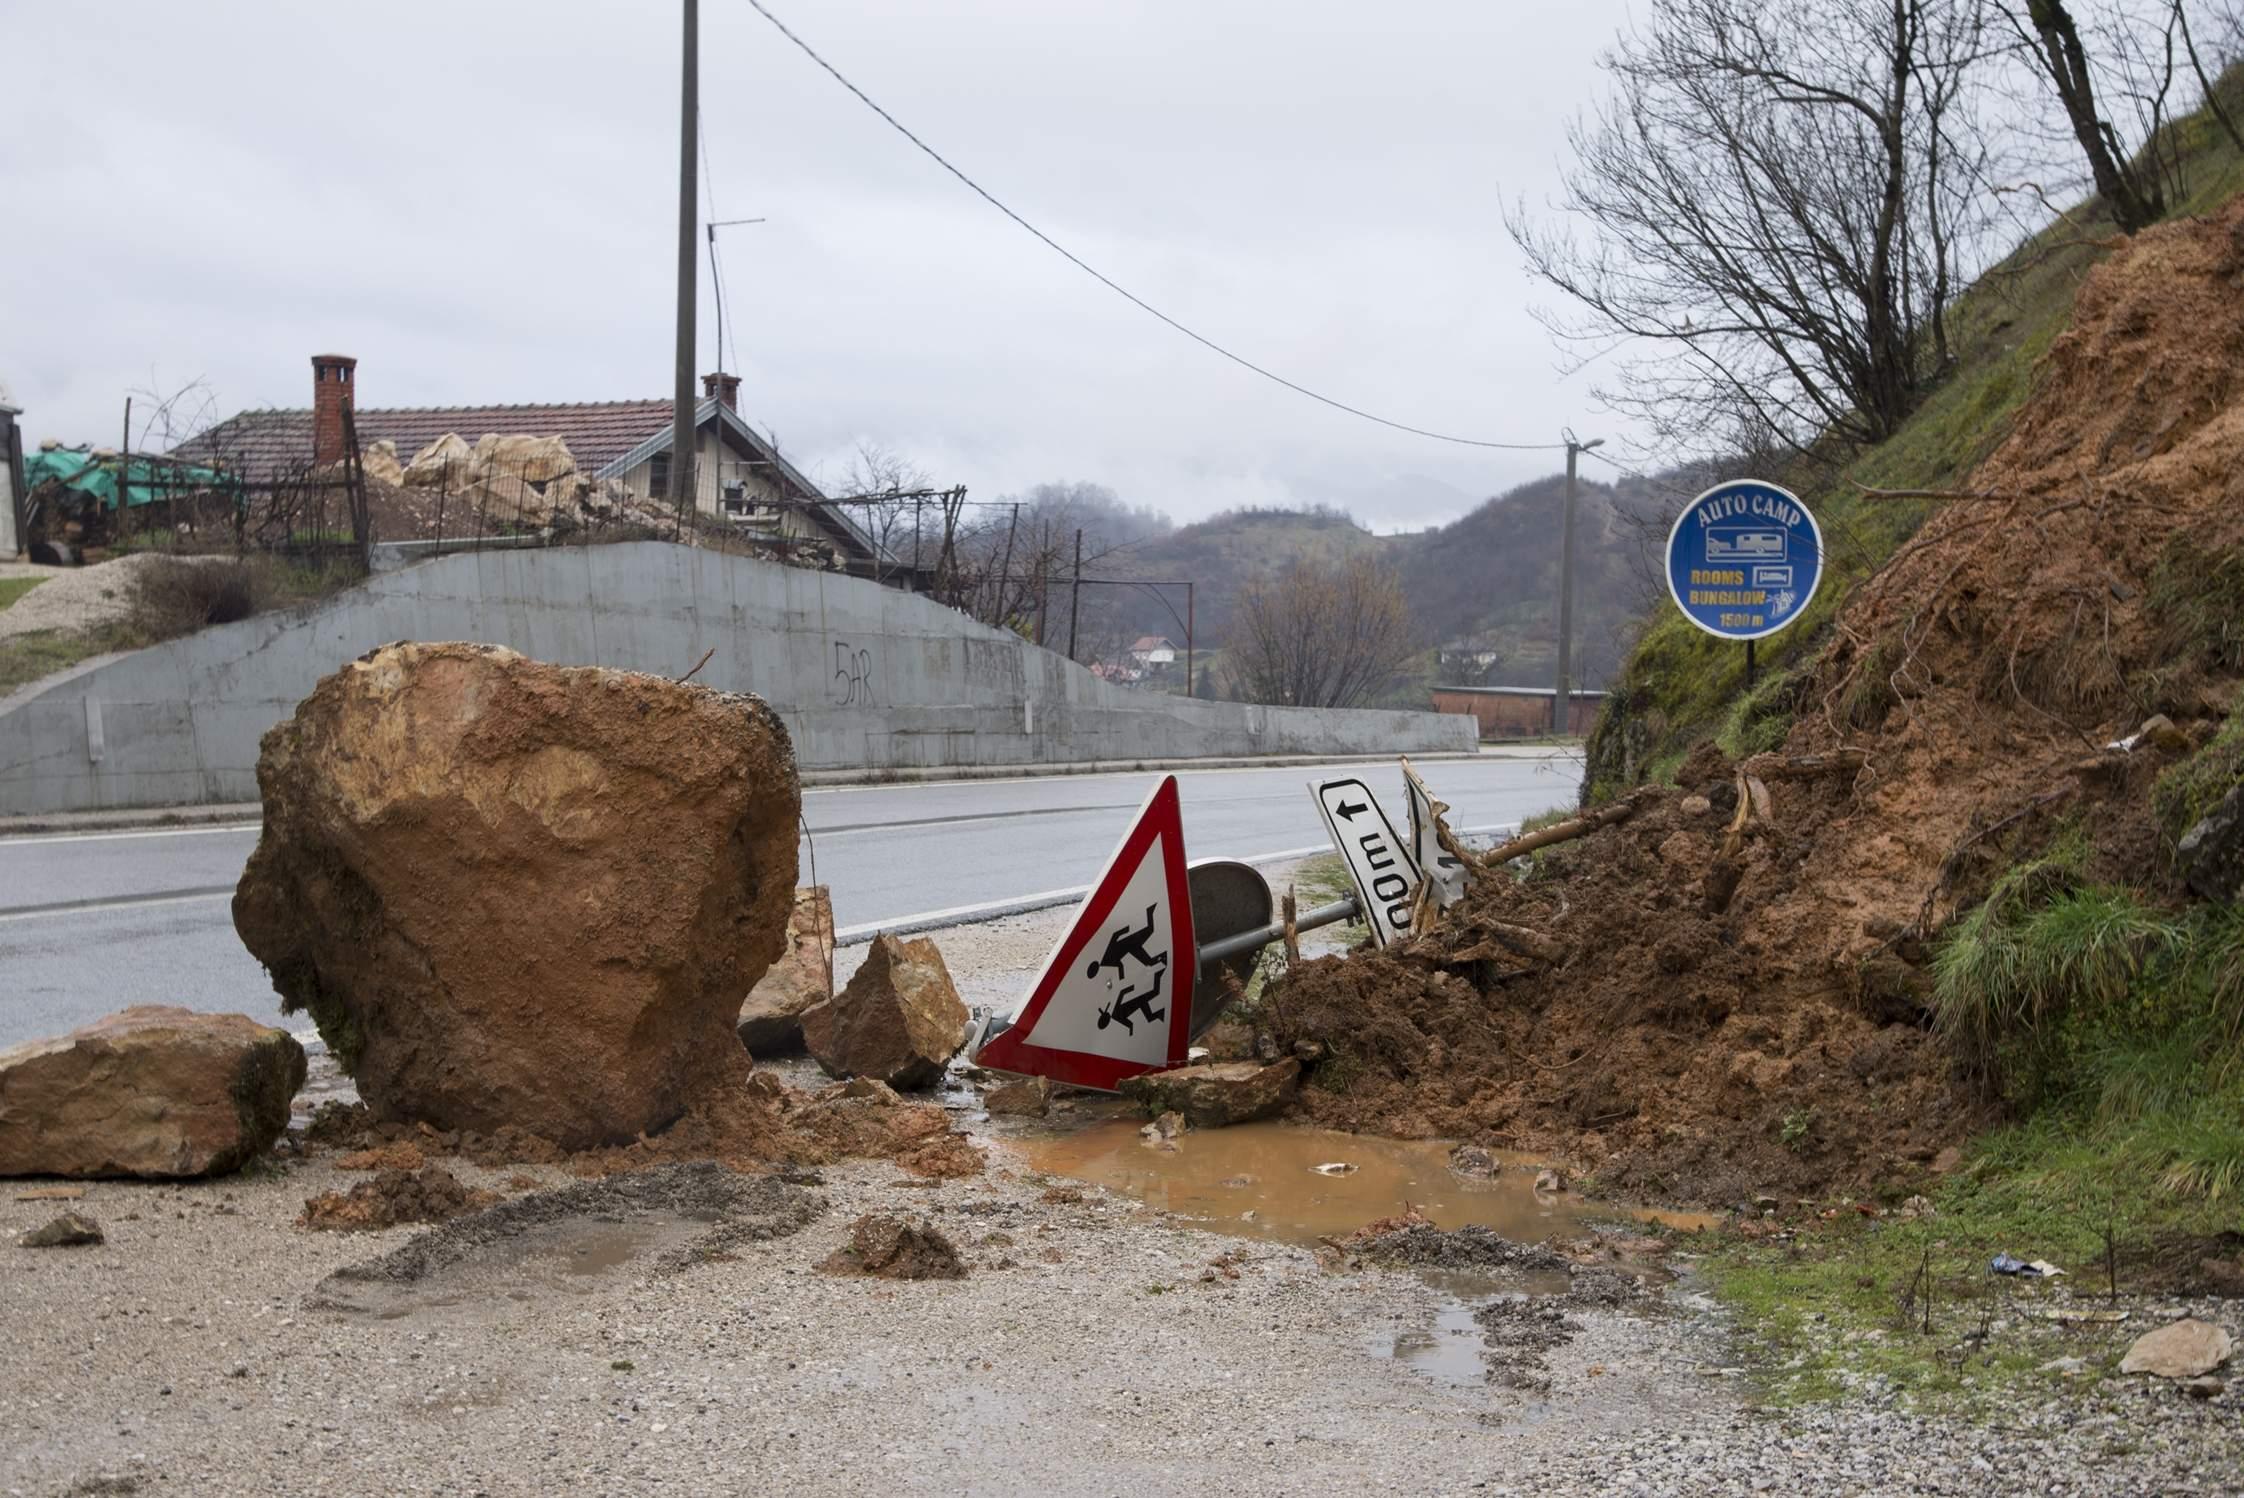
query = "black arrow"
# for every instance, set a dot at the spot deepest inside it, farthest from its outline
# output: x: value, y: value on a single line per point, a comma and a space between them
x: 1348, y: 809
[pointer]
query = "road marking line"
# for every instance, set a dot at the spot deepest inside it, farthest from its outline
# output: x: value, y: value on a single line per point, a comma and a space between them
x: 107, y: 837
x: 121, y: 902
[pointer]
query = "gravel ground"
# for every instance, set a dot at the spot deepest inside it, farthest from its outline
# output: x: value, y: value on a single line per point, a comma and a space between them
x: 74, y: 598
x: 1084, y: 1353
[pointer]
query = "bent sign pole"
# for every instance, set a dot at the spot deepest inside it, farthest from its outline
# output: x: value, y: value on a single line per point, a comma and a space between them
x: 1115, y: 996
x: 1379, y: 862
x: 1743, y: 559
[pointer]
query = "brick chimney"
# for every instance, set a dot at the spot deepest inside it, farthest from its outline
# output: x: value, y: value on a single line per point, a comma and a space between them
x: 334, y: 377
x: 723, y: 387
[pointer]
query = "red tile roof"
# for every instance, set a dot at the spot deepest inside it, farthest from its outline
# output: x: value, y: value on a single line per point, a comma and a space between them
x: 266, y: 444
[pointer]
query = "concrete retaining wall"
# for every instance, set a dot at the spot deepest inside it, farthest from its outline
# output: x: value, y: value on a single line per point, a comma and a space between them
x: 865, y: 676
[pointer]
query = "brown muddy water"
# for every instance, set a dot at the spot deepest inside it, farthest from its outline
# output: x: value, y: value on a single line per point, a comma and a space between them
x: 1261, y: 1180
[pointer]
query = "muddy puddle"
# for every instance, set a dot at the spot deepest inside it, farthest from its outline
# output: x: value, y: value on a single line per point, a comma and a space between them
x: 1262, y: 1180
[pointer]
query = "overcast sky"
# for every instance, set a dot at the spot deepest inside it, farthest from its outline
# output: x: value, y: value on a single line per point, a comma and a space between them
x: 479, y: 201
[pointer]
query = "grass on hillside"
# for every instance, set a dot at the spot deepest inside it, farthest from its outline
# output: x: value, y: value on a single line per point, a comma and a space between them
x: 13, y: 588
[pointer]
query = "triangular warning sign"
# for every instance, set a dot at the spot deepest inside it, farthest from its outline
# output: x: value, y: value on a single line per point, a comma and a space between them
x: 1115, y: 997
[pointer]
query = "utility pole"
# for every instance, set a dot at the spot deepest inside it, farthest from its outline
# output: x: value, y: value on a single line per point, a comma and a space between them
x: 682, y: 442
x: 1562, y: 715
x: 1075, y: 594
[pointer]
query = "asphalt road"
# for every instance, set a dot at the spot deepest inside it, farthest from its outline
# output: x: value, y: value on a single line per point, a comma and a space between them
x: 92, y: 922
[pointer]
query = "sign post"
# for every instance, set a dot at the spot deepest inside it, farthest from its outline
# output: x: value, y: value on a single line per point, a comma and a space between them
x: 1743, y: 559
x: 1378, y: 861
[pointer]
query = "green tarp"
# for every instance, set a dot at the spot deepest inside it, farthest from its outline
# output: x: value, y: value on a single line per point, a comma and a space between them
x: 147, y: 480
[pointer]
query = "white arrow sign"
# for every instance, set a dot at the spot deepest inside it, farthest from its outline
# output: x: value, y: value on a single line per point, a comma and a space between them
x: 1378, y: 861
x: 1436, y: 862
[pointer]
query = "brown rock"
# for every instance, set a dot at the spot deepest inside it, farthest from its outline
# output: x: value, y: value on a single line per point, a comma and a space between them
x: 892, y: 1248
x: 898, y: 1021
x: 515, y: 893
x: 2182, y: 1349
x: 1029, y: 1097
x: 1694, y: 805
x: 151, y: 1091
x: 771, y: 1019
x: 1219, y: 1093
x: 70, y: 1230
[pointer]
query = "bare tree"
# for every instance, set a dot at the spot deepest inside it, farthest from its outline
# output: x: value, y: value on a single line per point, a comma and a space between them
x: 1780, y: 202
x: 884, y: 493
x: 1322, y: 635
x: 2130, y: 188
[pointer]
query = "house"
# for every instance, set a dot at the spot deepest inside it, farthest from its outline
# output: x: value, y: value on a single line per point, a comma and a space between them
x: 1152, y: 651
x: 739, y: 474
x: 1519, y: 712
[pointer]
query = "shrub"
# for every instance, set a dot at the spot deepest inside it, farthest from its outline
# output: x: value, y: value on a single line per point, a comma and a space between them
x: 174, y: 597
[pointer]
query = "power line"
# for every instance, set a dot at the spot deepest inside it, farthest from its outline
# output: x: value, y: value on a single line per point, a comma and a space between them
x: 1117, y: 288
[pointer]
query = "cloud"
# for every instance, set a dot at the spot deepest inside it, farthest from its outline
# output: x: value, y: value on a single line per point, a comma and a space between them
x: 483, y: 209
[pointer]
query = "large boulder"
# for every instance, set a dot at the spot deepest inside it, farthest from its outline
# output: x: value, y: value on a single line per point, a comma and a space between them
x: 153, y: 1091
x: 448, y: 464
x: 1214, y: 1094
x: 899, y: 1020
x: 771, y: 1020
x: 518, y: 894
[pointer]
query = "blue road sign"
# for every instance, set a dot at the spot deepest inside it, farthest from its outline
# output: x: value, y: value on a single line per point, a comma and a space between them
x: 1744, y: 559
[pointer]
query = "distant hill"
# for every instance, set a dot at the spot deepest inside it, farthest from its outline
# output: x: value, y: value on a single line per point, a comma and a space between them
x: 1489, y: 579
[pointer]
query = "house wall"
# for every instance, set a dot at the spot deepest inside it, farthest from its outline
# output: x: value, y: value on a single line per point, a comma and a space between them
x: 1505, y: 713
x: 865, y: 677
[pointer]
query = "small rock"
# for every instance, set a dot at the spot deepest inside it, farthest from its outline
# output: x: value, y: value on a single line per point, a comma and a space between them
x: 2207, y: 1387
x: 2160, y: 733
x: 1550, y: 1181
x: 1163, y: 1131
x: 1694, y: 805
x: 771, y: 1020
x: 1473, y: 1161
x: 899, y: 1019
x: 1027, y: 1097
x: 1212, y: 1096
x: 2211, y: 854
x: 1948, y: 1161
x: 1336, y: 1168
x: 2183, y: 1349
x: 1308, y: 1052
x: 70, y: 1230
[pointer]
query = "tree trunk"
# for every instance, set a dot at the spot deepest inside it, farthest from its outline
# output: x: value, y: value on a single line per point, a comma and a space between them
x: 2133, y: 204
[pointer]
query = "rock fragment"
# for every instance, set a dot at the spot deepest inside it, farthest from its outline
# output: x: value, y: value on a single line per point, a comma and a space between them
x: 70, y: 1230
x: 894, y: 1248
x: 898, y: 1021
x: 771, y: 1019
x: 430, y: 1194
x: 152, y: 1091
x: 1215, y: 1094
x: 517, y: 893
x: 1027, y: 1097
x: 2186, y: 1348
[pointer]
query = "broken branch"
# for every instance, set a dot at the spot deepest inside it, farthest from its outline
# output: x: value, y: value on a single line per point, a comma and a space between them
x: 697, y: 665
x: 1557, y: 832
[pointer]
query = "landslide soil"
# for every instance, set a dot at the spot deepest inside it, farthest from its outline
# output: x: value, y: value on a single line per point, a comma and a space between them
x: 2088, y: 576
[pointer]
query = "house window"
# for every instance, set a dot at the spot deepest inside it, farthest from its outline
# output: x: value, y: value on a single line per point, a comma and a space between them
x: 658, y: 476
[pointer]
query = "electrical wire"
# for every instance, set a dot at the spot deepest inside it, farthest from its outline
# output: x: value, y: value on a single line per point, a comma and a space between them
x: 1116, y: 287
